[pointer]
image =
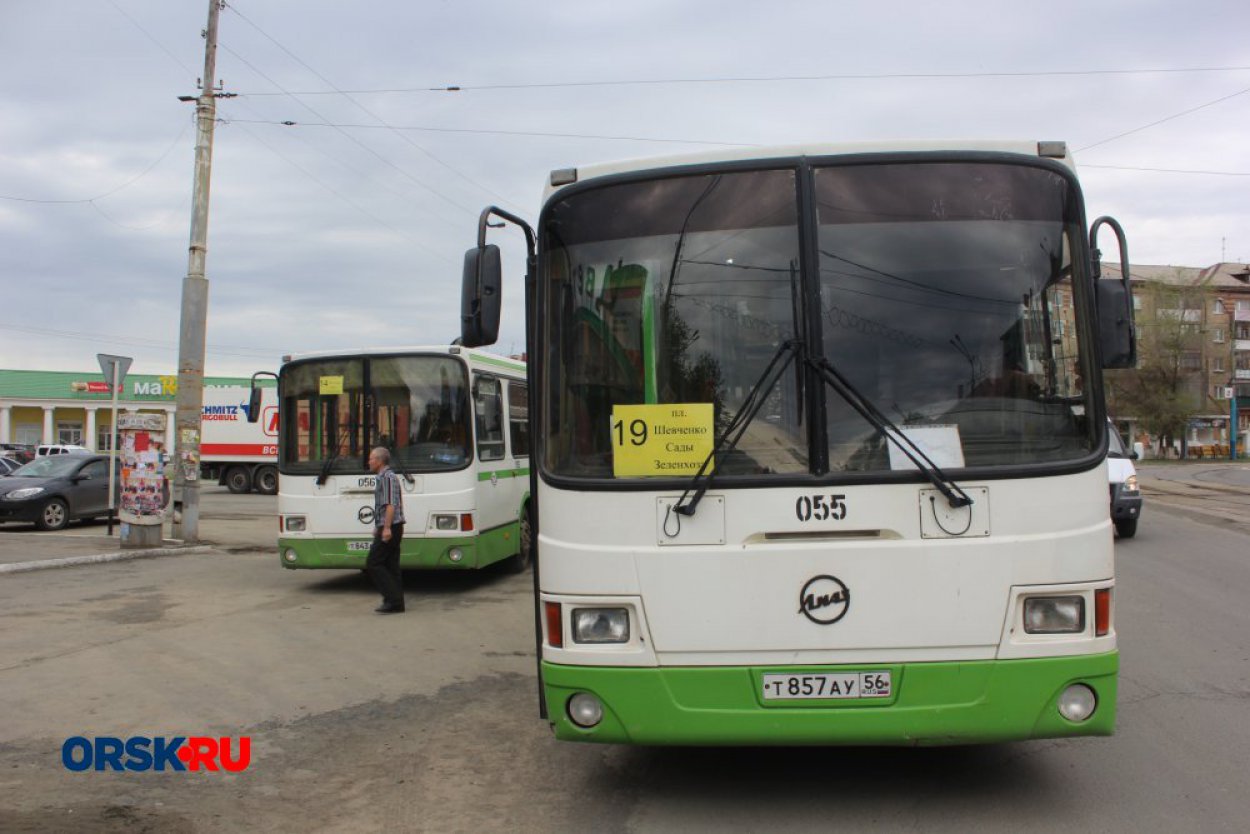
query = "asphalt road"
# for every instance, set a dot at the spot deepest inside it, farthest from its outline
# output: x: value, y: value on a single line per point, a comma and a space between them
x: 427, y: 721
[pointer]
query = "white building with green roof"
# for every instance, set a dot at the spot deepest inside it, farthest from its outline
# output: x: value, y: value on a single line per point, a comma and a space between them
x: 75, y: 407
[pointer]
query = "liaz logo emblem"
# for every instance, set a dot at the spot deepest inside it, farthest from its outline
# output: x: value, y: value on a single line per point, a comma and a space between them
x: 824, y: 600
x: 365, y: 516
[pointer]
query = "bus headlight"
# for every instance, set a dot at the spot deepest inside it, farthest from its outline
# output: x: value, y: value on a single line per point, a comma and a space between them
x: 455, y: 554
x: 290, y: 555
x: 585, y: 710
x: 600, y: 625
x: 446, y: 522
x: 296, y: 524
x: 1130, y: 485
x: 1077, y: 702
x: 1054, y: 615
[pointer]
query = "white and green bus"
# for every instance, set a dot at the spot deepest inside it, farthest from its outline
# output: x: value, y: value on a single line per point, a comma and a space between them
x: 456, y: 423
x: 819, y: 441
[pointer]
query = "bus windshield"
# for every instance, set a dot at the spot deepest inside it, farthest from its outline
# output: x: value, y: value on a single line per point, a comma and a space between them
x: 336, y: 410
x: 944, y: 292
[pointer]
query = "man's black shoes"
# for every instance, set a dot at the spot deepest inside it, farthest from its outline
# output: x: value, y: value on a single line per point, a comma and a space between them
x: 388, y: 608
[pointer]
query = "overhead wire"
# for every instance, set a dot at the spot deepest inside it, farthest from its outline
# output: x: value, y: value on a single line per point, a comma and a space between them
x: 111, y: 191
x: 530, y: 133
x: 1164, y: 119
x: 356, y: 141
x: 763, y: 79
x: 152, y: 38
x: 1169, y: 170
x: 370, y: 113
x: 345, y: 198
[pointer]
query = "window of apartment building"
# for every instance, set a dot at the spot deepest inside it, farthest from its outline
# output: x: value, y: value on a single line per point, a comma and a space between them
x: 1136, y: 301
x: 70, y: 433
x: 28, y: 434
x: 1191, y: 360
x: 1217, y: 364
x: 1217, y: 306
x: 1217, y: 334
x: 1243, y: 307
x: 1217, y: 392
x: 104, y: 438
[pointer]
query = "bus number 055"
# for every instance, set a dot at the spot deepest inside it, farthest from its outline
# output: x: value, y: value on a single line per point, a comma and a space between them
x: 820, y: 507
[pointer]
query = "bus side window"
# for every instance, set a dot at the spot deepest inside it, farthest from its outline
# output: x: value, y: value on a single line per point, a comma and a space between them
x: 488, y: 411
x: 518, y: 419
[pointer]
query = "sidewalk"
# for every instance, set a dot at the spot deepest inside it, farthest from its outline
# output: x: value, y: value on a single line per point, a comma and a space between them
x: 227, y: 523
x: 22, y: 550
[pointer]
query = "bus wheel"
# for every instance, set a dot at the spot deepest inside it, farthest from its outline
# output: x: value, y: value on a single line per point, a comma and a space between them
x: 267, y: 480
x: 525, y: 557
x: 1127, y: 528
x: 238, y: 480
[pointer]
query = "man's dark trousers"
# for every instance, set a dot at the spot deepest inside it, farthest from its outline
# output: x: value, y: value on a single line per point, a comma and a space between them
x: 382, y: 565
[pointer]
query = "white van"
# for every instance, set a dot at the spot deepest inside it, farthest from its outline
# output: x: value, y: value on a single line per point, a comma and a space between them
x: 1125, y: 496
x: 60, y: 449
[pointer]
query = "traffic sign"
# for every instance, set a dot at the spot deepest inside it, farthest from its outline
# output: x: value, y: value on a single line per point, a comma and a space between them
x: 110, y: 364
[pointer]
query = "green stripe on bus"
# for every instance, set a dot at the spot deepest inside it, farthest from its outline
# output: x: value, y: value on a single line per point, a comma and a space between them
x: 933, y: 704
x: 511, y: 365
x: 415, y: 552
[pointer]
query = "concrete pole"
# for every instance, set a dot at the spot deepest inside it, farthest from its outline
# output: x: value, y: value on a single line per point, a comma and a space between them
x: 190, y: 402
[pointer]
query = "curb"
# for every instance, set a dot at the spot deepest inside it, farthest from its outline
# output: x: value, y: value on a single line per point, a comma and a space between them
x: 100, y: 558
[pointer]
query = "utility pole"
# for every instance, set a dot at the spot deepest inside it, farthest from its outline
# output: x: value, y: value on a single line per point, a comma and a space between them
x: 190, y: 402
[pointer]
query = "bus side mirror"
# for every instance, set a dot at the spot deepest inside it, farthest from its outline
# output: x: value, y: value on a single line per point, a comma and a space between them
x: 1113, y: 299
x: 480, y: 297
x: 253, y: 406
x: 1115, y: 324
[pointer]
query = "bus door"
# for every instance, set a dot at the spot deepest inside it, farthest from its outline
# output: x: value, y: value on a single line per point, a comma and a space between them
x: 518, y: 441
x: 495, y: 483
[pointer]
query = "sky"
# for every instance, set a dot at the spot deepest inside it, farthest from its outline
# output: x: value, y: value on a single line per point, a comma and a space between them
x: 348, y: 228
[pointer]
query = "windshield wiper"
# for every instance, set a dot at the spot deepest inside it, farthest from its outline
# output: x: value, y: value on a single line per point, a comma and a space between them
x: 329, y: 464
x: 866, y: 409
x: 751, y: 406
x: 398, y: 465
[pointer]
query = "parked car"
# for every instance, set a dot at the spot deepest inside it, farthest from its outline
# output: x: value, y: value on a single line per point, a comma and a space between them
x: 20, y: 452
x: 51, y: 491
x: 7, y: 465
x: 46, y: 449
x: 1126, y: 499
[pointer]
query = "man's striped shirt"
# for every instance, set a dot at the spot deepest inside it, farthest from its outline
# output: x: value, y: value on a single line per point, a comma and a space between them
x: 387, y: 491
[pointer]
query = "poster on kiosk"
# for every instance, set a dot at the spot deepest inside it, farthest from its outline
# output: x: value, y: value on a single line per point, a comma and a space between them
x: 145, y: 487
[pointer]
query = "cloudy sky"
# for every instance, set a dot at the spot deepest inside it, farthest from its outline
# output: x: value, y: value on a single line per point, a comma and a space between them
x: 348, y: 228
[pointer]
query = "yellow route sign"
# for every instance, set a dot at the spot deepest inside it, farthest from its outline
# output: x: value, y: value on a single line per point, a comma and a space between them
x: 331, y: 385
x: 651, y: 441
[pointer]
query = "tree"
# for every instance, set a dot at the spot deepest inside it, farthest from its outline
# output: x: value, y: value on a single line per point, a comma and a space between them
x: 1165, y: 390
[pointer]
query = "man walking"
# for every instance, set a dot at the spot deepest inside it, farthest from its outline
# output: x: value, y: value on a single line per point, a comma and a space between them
x: 382, y: 564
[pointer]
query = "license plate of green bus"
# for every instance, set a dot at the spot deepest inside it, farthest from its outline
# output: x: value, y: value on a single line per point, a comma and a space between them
x: 841, y: 685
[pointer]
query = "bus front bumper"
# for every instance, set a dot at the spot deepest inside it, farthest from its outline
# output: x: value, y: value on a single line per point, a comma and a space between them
x: 932, y: 704
x: 415, y: 553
